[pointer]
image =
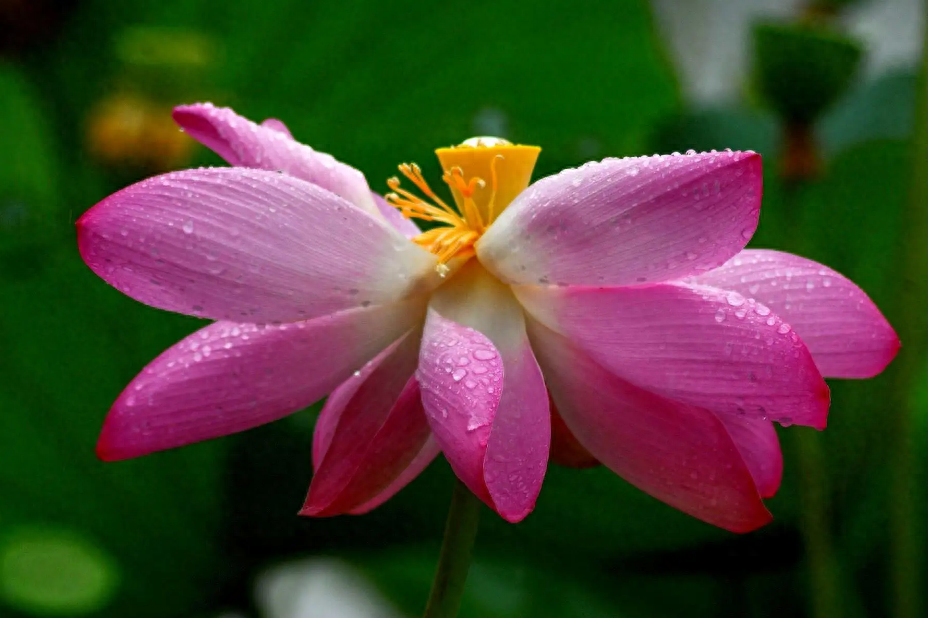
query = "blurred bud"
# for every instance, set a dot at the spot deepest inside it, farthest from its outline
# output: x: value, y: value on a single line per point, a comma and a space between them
x: 158, y: 68
x: 171, y: 48
x: 319, y: 588
x: 827, y: 9
x: 127, y: 130
x: 800, y: 70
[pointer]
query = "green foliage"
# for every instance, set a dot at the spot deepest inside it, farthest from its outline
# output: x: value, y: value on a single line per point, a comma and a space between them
x: 183, y: 533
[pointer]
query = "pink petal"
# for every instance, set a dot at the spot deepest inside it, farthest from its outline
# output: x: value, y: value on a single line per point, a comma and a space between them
x: 275, y: 125
x: 379, y: 432
x: 230, y: 377
x: 678, y: 453
x: 627, y: 221
x: 243, y: 143
x: 420, y: 462
x: 759, y: 446
x: 845, y: 332
x: 247, y: 245
x: 460, y: 416
x: 483, y: 392
x: 517, y: 452
x: 697, y: 345
x: 403, y: 225
x: 566, y: 450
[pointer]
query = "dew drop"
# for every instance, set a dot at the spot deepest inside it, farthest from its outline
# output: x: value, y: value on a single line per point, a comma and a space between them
x: 720, y: 316
x: 484, y: 354
x: 188, y: 227
x: 735, y: 299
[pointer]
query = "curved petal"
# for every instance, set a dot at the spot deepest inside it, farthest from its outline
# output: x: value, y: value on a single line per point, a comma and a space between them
x: 844, y: 330
x: 697, y: 345
x: 379, y: 432
x: 230, y: 377
x: 420, y: 462
x: 483, y: 392
x: 678, y: 453
x: 403, y: 225
x: 460, y: 416
x: 566, y: 450
x: 627, y: 221
x: 247, y: 245
x: 759, y: 446
x: 243, y: 143
x: 276, y: 125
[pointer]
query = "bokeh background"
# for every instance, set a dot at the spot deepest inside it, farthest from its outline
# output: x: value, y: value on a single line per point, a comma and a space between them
x: 831, y: 92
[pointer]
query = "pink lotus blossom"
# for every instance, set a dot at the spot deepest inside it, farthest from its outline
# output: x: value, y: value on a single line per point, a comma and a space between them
x: 620, y: 289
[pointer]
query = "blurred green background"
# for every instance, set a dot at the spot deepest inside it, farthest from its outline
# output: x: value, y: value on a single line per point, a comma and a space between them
x: 832, y: 93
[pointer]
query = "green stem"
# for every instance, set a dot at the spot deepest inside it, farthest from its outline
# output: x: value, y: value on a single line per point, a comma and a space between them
x: 456, y: 551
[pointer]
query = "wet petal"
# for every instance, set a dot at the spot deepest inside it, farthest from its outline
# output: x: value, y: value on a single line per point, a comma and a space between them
x: 697, y: 345
x: 371, y: 431
x: 277, y: 125
x: 483, y: 392
x: 460, y: 417
x: 403, y: 225
x: 844, y: 330
x: 247, y: 245
x: 243, y: 143
x: 759, y: 446
x: 678, y: 453
x: 229, y: 377
x: 627, y: 221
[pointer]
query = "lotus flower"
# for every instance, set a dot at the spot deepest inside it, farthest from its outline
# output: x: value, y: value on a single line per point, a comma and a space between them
x: 608, y: 314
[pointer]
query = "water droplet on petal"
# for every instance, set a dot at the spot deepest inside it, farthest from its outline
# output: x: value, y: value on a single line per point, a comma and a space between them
x: 735, y: 299
x: 484, y: 354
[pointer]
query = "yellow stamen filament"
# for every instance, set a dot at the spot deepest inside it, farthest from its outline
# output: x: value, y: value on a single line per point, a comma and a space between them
x: 464, y: 229
x: 508, y: 168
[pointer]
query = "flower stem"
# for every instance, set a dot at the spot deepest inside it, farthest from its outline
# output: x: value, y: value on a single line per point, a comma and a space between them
x: 456, y: 551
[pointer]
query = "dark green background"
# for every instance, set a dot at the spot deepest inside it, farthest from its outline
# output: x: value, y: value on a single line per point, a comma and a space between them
x: 184, y: 533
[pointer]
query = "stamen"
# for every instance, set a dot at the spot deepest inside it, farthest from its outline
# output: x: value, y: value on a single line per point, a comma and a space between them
x: 463, y: 229
x: 414, y: 173
x: 454, y: 177
x: 467, y: 168
x: 412, y: 206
